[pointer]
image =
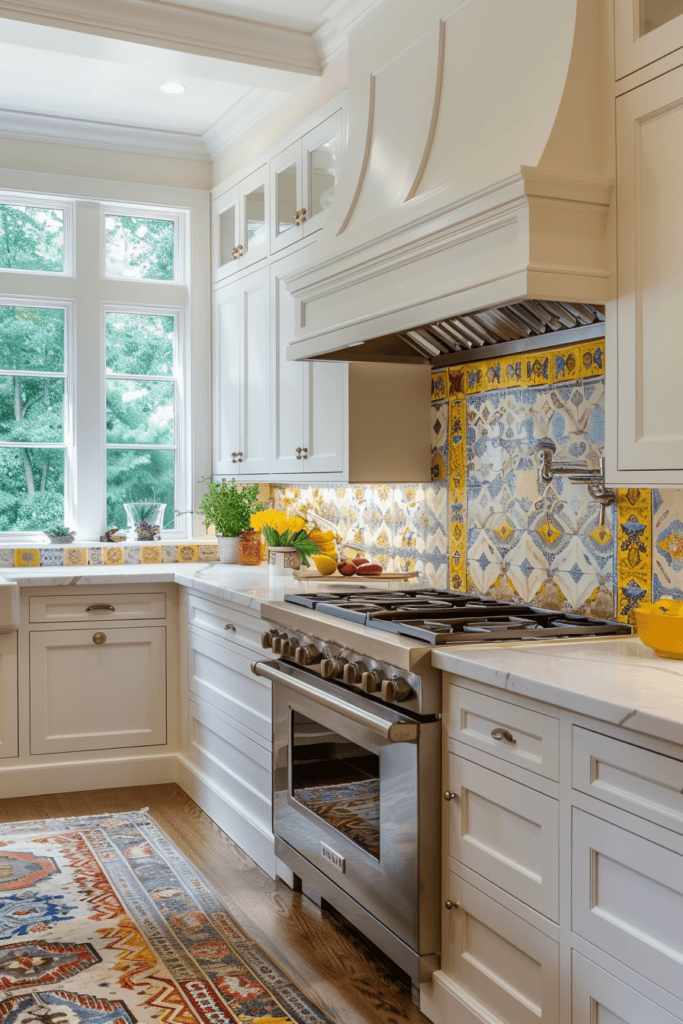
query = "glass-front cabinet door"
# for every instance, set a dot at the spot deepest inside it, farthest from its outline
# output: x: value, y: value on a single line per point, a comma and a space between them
x: 646, y: 30
x: 286, y: 191
x: 322, y: 148
x: 240, y: 221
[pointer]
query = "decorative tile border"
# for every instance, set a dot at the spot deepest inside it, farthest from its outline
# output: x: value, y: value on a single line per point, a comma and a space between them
x: 114, y: 554
x: 634, y: 550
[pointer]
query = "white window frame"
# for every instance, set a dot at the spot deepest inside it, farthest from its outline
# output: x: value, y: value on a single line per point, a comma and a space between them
x: 187, y: 298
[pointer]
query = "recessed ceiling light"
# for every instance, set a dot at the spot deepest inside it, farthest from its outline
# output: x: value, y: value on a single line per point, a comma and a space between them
x: 173, y: 87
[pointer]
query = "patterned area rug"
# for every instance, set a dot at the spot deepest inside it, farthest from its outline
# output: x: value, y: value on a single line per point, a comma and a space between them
x: 350, y: 807
x: 103, y: 921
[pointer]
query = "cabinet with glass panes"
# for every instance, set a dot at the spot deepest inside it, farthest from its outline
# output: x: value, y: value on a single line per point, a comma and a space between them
x: 644, y: 32
x: 280, y: 200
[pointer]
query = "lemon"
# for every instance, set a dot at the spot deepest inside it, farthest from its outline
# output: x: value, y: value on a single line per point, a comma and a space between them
x: 324, y: 564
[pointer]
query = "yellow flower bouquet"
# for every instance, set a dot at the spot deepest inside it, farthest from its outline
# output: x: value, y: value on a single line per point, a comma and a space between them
x: 283, y: 530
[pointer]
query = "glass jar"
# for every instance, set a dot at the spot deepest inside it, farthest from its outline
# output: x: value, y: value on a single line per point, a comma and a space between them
x: 250, y: 547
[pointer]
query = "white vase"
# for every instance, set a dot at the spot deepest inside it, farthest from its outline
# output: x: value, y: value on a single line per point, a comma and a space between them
x: 228, y: 550
x: 283, y: 561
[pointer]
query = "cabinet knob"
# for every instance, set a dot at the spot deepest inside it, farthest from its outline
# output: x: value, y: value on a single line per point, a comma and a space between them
x: 503, y: 734
x: 99, y: 638
x: 451, y: 905
x: 237, y: 252
x: 450, y: 796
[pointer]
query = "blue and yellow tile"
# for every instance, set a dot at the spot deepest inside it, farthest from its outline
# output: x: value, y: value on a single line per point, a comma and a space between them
x: 24, y: 557
x: 207, y: 552
x: 439, y: 386
x: 457, y: 380
x: 475, y: 378
x: 537, y: 367
x: 634, y: 550
x: 565, y: 364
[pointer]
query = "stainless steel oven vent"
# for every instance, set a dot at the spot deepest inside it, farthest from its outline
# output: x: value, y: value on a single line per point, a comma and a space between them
x: 516, y: 327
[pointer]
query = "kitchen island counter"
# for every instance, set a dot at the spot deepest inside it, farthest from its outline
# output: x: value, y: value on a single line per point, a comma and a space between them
x: 620, y: 681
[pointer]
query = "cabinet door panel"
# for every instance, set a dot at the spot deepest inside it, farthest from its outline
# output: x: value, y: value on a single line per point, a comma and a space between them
x: 506, y: 832
x: 254, y: 234
x: 225, y: 217
x: 88, y: 696
x: 325, y: 416
x: 627, y: 898
x: 600, y: 998
x: 505, y: 964
x: 223, y: 678
x: 288, y: 376
x: 645, y: 30
x: 650, y: 299
x: 322, y: 149
x: 9, y: 723
x: 286, y: 196
x: 255, y: 378
x: 227, y: 347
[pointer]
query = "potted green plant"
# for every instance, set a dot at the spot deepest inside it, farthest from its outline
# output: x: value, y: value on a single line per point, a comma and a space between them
x: 60, y: 534
x: 228, y: 508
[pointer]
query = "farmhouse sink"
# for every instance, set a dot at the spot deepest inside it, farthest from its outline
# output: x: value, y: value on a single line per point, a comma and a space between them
x: 9, y: 606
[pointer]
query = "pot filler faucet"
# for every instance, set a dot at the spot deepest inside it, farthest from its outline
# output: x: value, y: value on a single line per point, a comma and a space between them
x: 578, y: 473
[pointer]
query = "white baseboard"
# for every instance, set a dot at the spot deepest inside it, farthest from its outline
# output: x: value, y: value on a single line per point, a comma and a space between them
x: 441, y: 999
x: 251, y: 834
x: 71, y: 776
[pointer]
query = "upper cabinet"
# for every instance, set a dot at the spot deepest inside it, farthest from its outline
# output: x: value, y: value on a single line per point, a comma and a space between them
x: 283, y: 199
x: 303, y: 177
x: 644, y: 31
x: 241, y: 223
x: 644, y: 422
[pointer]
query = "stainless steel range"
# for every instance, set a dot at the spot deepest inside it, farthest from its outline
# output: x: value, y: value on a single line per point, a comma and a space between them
x: 356, y: 746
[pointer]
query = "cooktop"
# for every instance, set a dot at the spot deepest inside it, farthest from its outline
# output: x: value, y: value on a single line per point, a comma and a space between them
x: 450, y: 617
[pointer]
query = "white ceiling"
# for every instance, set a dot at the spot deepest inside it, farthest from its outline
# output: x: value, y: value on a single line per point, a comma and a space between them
x: 78, y: 66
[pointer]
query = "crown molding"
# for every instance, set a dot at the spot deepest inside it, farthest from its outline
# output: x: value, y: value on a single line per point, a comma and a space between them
x: 172, y: 27
x: 248, y: 110
x: 342, y: 17
x: 16, y: 124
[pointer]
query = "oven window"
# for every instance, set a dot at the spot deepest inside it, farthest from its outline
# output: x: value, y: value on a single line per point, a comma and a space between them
x: 337, y: 780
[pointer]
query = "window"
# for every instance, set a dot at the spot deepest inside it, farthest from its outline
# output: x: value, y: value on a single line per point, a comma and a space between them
x: 93, y: 395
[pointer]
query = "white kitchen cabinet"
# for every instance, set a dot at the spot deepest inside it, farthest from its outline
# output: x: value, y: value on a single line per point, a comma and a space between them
x: 241, y: 220
x: 644, y: 31
x: 9, y: 722
x: 600, y: 998
x: 241, y: 401
x: 74, y: 675
x: 309, y: 399
x: 506, y: 832
x: 502, y: 968
x: 225, y: 760
x: 302, y: 182
x: 644, y: 422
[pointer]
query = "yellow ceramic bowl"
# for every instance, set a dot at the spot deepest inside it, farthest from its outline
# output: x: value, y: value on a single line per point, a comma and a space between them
x: 660, y: 626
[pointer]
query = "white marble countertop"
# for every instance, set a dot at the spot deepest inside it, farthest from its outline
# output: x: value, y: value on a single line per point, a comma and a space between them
x: 616, y: 680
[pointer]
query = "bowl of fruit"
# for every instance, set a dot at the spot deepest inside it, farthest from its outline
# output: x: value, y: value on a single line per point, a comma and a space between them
x: 660, y: 626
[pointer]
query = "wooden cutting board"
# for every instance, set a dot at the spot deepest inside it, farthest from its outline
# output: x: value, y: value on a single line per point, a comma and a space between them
x: 336, y: 577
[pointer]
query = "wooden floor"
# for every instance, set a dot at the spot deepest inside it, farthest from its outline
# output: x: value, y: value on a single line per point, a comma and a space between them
x: 335, y: 968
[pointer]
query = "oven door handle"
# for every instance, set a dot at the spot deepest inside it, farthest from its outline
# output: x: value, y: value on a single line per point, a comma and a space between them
x: 394, y: 732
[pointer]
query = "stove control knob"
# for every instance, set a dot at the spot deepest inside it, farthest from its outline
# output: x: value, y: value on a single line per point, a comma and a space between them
x: 371, y: 681
x: 276, y: 645
x: 307, y: 654
x: 395, y: 690
x: 287, y: 647
x: 330, y: 667
x: 353, y: 672
x: 267, y: 638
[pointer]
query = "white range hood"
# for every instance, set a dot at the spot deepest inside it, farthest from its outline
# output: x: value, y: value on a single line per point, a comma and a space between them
x: 475, y: 174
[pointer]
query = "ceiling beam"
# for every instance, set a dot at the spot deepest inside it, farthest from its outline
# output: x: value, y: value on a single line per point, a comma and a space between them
x: 206, y: 34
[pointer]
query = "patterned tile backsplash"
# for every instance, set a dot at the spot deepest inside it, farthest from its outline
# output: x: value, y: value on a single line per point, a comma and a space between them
x: 114, y: 554
x: 484, y: 524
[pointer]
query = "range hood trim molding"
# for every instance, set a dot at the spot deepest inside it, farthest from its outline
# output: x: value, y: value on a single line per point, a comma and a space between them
x: 511, y: 206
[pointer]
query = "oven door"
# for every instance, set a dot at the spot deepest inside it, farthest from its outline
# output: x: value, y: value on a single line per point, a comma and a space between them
x: 355, y: 784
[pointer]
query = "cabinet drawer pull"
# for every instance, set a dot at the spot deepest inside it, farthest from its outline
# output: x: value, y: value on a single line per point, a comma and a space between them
x: 99, y: 638
x: 450, y: 905
x: 503, y: 734
x: 230, y: 627
x: 100, y: 608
